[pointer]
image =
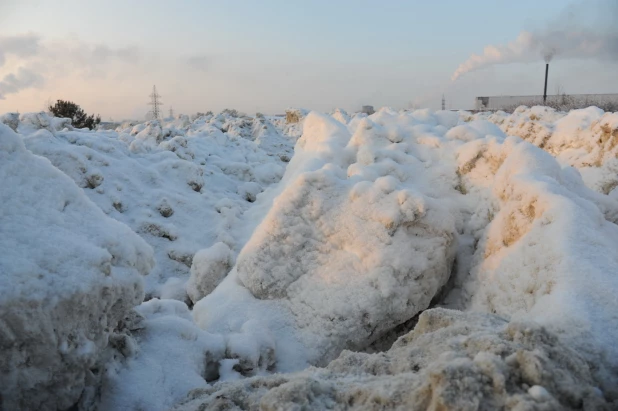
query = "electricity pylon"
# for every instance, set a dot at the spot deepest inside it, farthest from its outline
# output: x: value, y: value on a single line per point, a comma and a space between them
x: 155, y: 102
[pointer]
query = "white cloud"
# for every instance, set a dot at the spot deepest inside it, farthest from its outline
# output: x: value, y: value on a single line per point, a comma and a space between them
x: 25, y: 45
x: 200, y: 62
x: 23, y: 79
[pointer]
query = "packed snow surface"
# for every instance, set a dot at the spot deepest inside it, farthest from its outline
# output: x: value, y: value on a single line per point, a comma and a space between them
x: 317, y: 242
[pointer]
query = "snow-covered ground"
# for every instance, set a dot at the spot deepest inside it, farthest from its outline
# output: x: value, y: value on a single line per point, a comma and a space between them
x: 275, y: 248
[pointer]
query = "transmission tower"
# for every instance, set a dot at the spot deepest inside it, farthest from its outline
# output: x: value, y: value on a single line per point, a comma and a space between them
x: 443, y: 103
x: 155, y: 102
x: 171, y: 111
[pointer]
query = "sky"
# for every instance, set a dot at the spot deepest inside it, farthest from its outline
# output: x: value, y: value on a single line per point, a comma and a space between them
x: 268, y: 55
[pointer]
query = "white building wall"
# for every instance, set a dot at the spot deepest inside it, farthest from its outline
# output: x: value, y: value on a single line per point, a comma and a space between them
x: 502, y: 102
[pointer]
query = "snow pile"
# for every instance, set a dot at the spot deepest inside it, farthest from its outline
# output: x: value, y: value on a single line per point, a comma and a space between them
x: 341, y: 116
x: 208, y: 269
x: 271, y: 141
x: 330, y: 267
x: 586, y: 139
x: 549, y: 247
x: 182, y: 186
x: 70, y: 275
x: 452, y: 360
x: 174, y: 357
x: 351, y: 255
x: 292, y: 257
x: 350, y: 248
x: 11, y: 120
x: 30, y: 122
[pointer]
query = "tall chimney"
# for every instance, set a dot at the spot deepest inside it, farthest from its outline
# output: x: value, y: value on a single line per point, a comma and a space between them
x: 545, y: 92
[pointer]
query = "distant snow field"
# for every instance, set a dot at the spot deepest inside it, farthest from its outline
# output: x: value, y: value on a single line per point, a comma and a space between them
x: 404, y: 260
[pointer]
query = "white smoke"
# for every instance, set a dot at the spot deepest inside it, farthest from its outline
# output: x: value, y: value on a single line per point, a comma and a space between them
x: 567, y: 41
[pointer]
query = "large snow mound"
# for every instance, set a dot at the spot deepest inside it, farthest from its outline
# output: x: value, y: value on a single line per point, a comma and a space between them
x: 69, y: 275
x: 353, y: 245
x: 350, y: 255
x: 451, y: 360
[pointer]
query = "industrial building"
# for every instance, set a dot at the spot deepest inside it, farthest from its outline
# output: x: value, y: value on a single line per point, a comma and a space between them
x: 368, y: 110
x: 509, y: 102
x: 558, y: 101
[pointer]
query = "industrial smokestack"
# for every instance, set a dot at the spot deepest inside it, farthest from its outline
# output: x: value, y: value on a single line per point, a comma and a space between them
x: 585, y: 30
x: 545, y: 92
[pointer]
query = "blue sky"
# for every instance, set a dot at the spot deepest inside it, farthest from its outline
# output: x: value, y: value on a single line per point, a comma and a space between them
x: 268, y: 55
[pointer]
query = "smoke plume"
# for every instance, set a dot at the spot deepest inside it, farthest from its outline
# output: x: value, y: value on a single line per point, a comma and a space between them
x: 567, y: 38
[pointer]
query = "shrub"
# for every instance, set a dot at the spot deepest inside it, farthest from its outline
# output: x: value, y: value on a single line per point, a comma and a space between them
x: 79, y: 118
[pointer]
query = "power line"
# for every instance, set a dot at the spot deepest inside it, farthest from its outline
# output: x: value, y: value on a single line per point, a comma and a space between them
x: 155, y: 102
x: 171, y: 111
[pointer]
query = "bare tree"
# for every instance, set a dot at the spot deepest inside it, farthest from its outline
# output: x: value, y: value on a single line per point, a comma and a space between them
x: 47, y: 104
x: 560, y: 89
